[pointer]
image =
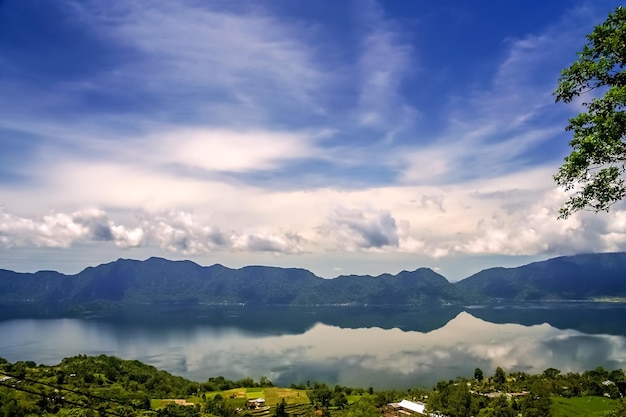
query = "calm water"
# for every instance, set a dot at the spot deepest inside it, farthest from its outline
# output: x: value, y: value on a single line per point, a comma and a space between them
x: 382, y: 348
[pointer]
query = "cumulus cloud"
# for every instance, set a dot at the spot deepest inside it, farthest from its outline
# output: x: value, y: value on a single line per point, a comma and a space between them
x: 363, y: 228
x: 182, y: 232
x: 483, y: 218
x: 63, y: 229
x: 52, y: 230
x: 96, y: 222
x: 535, y: 229
x: 269, y: 242
x: 178, y: 231
x: 128, y: 238
x: 172, y: 231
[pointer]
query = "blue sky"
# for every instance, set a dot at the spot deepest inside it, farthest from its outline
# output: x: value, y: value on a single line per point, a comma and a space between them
x: 342, y: 137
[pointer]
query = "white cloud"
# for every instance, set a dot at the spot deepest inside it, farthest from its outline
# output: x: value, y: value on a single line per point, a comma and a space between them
x: 354, y: 228
x: 221, y: 59
x: 50, y: 230
x: 535, y: 229
x: 172, y: 231
x: 269, y: 242
x: 128, y: 238
x: 511, y: 121
x: 227, y: 150
x: 478, y: 218
x: 386, y: 60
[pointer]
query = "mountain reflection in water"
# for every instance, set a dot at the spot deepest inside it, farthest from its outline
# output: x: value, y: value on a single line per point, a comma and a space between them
x: 375, y: 347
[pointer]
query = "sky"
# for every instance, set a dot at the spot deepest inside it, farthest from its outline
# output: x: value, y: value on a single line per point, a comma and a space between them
x: 351, y: 137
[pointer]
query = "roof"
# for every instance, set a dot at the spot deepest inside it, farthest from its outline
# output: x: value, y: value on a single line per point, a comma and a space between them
x: 410, y: 405
x: 256, y: 400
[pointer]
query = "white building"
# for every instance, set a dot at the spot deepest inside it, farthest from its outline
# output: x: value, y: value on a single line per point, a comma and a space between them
x: 406, y: 407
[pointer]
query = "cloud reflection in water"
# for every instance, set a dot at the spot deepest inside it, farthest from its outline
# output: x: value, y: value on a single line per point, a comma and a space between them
x: 354, y: 357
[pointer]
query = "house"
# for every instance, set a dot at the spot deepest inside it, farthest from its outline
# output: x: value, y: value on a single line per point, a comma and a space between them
x: 256, y: 403
x: 406, y: 408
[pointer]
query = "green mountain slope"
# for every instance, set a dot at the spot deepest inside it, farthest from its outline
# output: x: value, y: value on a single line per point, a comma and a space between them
x: 581, y: 277
x: 156, y: 280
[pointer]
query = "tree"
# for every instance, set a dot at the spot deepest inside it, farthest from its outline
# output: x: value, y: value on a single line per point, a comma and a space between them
x: 478, y: 374
x: 320, y: 395
x: 551, y: 373
x: 175, y: 410
x: 537, y: 403
x: 281, y: 409
x: 362, y: 408
x: 219, y: 407
x: 619, y: 411
x: 265, y: 382
x: 595, y: 169
x: 339, y: 399
x: 499, y: 407
x: 499, y: 377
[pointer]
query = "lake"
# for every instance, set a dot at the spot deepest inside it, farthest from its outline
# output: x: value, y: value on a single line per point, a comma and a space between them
x: 362, y: 347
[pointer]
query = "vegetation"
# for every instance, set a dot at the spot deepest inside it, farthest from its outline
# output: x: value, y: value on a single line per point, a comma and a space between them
x: 582, y: 277
x: 595, y: 168
x: 161, y: 282
x: 105, y: 385
x: 583, y: 406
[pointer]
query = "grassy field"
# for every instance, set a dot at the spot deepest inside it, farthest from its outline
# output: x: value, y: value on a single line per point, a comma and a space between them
x: 160, y: 403
x: 582, y: 406
x: 354, y: 398
x: 292, y: 396
x: 297, y: 402
x: 238, y: 396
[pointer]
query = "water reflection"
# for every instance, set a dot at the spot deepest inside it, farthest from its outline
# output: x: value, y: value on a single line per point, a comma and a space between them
x: 237, y: 344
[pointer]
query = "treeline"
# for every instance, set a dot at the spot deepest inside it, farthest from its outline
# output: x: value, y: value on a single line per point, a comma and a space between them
x: 519, y: 393
x: 97, y: 384
x: 86, y: 386
x: 94, y: 386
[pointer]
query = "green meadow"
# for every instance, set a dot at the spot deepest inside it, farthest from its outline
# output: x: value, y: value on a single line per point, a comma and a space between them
x: 582, y: 406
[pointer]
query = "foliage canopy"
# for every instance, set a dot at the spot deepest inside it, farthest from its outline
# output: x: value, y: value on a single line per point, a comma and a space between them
x: 106, y: 385
x: 595, y: 168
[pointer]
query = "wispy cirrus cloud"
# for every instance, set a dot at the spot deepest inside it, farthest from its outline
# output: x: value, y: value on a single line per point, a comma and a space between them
x: 386, y: 60
x: 511, y: 121
x: 217, y: 59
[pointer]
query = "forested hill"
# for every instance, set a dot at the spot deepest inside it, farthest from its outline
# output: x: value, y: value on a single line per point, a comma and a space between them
x: 581, y: 277
x: 109, y: 386
x: 156, y: 280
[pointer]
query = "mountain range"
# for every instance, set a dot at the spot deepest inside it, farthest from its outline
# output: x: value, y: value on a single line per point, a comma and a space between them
x: 160, y: 281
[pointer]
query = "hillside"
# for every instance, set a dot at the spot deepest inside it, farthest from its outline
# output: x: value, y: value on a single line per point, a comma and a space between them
x: 157, y: 280
x: 106, y: 385
x: 160, y: 281
x: 581, y: 277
